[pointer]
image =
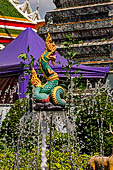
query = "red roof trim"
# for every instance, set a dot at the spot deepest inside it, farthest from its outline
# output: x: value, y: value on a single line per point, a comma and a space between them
x: 16, y: 24
x: 5, y: 40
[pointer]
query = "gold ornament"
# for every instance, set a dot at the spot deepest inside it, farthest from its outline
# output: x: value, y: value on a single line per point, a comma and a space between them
x: 35, y: 80
x: 51, y: 47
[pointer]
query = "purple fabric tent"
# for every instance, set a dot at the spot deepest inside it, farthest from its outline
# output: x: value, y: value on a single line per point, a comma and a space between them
x: 11, y: 65
x: 8, y: 56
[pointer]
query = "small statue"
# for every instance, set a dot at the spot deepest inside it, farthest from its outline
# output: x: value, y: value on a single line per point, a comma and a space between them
x: 102, y: 161
x: 50, y: 91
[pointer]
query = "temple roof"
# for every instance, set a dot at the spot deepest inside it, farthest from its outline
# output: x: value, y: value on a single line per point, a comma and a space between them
x: 7, y: 9
x: 16, y: 17
x: 11, y: 8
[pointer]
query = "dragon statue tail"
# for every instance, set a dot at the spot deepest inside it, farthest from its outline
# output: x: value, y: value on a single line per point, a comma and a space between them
x: 57, y: 95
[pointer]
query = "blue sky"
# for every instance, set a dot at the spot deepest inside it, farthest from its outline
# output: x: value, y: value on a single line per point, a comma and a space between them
x: 44, y: 5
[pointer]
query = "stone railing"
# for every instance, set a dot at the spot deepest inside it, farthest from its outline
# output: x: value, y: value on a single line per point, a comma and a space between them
x: 78, y: 14
x: 71, y: 3
x: 85, y: 35
x: 93, y: 24
x: 87, y: 51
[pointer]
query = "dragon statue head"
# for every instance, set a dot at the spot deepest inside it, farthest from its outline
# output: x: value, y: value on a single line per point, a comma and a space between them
x: 51, y: 49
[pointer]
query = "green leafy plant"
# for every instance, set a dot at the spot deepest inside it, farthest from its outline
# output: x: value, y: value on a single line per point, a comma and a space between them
x: 60, y: 156
x: 10, y: 125
x: 28, y: 62
x: 95, y: 115
x: 60, y: 153
x: 93, y: 112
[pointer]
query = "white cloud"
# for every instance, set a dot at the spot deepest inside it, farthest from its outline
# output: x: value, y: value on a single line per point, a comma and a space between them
x: 44, y: 5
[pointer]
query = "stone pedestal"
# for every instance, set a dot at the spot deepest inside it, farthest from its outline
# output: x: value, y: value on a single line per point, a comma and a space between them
x: 47, y: 107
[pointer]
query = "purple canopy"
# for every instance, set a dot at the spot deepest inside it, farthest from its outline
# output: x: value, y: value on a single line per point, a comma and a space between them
x: 8, y: 56
x: 11, y: 65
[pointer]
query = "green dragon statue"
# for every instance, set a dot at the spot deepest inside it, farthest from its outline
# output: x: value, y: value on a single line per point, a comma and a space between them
x: 50, y: 91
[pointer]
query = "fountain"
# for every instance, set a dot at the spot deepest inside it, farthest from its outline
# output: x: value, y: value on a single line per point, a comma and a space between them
x: 58, y: 135
x: 60, y: 132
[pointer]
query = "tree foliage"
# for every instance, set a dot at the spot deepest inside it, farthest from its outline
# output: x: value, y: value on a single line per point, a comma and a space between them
x: 10, y: 126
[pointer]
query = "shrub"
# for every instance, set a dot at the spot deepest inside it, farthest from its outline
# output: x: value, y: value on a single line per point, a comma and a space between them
x: 95, y: 114
x: 10, y: 125
x: 27, y: 160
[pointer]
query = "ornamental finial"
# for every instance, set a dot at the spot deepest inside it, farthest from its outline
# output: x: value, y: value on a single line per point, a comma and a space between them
x: 49, y: 44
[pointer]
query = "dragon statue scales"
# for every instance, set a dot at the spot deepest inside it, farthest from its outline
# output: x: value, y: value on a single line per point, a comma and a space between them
x: 50, y: 91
